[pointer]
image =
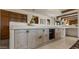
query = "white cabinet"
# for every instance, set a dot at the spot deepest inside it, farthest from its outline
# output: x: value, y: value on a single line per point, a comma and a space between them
x: 30, y: 38
x: 25, y: 38
x: 46, y: 35
x: 36, y: 37
x: 42, y: 36
x: 62, y: 33
x: 20, y: 39
x: 39, y: 39
x: 59, y: 33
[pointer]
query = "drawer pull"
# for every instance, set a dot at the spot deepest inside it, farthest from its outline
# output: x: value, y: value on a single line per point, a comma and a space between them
x: 27, y: 31
x: 40, y: 37
x: 43, y: 30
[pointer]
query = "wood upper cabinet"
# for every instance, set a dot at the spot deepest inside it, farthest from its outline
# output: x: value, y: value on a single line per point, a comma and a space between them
x: 71, y: 20
x: 4, y: 13
x: 17, y: 17
x: 6, y: 17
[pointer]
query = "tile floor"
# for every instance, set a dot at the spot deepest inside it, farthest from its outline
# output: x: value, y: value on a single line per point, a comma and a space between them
x: 60, y: 44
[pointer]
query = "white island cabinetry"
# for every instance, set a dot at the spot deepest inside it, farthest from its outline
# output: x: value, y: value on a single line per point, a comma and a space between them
x: 59, y: 33
x: 36, y: 37
x: 30, y: 38
x: 20, y: 39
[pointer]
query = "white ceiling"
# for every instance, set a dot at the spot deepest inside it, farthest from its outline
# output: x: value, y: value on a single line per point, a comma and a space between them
x: 48, y: 12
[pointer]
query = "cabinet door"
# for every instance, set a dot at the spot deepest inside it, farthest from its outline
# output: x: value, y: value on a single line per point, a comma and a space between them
x: 57, y: 33
x: 32, y: 37
x: 35, y: 38
x: 46, y: 35
x: 20, y: 40
x: 40, y: 37
x: 17, y: 17
x: 62, y: 33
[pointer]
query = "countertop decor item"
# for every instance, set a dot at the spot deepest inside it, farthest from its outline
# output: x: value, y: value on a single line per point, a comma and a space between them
x: 48, y: 21
x: 34, y: 20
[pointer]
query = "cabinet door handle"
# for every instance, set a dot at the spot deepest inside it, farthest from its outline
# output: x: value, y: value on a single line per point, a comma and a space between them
x: 40, y: 37
x: 43, y: 30
x: 27, y: 31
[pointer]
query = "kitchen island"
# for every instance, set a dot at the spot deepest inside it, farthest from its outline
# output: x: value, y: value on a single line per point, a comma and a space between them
x: 24, y: 36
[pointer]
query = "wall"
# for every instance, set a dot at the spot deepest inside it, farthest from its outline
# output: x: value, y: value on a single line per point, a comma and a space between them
x: 30, y: 14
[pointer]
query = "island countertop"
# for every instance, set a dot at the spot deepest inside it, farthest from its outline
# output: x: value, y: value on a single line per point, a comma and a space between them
x: 19, y: 25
